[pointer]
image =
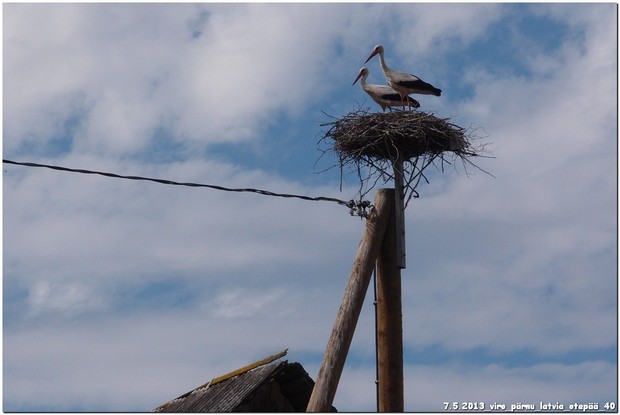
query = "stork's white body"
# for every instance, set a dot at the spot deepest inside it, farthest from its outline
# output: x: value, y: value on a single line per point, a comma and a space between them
x: 402, y: 82
x: 383, y: 95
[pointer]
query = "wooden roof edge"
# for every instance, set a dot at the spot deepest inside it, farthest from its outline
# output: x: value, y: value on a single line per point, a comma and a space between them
x: 247, y: 368
x: 228, y: 376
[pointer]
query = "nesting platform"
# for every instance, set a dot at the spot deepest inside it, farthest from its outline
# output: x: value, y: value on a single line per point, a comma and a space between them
x: 386, y: 135
x: 370, y: 143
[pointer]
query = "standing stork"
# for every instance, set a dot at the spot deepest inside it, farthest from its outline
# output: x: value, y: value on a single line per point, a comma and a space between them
x: 404, y: 83
x: 383, y: 95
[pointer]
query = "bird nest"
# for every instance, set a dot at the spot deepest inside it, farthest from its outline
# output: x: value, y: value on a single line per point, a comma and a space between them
x: 375, y: 144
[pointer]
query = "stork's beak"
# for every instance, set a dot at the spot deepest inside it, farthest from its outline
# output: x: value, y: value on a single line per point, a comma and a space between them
x: 357, y: 79
x: 374, y: 52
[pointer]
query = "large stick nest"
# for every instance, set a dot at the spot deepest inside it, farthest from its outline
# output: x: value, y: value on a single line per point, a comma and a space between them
x: 386, y: 135
x: 373, y: 142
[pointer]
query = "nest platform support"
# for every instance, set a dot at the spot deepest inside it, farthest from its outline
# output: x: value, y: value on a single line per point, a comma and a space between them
x: 396, y: 146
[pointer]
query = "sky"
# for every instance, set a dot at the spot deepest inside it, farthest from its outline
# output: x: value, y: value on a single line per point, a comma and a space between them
x: 121, y: 295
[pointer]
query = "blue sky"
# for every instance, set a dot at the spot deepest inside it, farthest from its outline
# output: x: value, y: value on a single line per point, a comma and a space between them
x: 121, y: 295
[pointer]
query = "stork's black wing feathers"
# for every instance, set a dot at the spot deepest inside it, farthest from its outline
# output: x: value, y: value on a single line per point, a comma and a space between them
x: 420, y: 86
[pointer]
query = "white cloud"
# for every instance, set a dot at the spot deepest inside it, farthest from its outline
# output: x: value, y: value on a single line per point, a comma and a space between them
x: 88, y: 61
x: 518, y: 263
x: 521, y: 254
x: 245, y: 303
x: 434, y: 29
x: 75, y: 297
x: 130, y: 70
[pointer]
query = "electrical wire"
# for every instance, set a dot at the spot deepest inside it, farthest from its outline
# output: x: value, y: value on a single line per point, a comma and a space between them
x: 358, y: 208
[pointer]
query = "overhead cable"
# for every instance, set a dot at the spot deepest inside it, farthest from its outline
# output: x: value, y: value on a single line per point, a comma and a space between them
x: 358, y: 208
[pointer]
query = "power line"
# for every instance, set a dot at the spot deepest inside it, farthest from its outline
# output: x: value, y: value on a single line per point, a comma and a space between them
x: 355, y: 207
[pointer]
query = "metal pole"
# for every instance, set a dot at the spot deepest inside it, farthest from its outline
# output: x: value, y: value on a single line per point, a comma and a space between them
x: 401, y: 251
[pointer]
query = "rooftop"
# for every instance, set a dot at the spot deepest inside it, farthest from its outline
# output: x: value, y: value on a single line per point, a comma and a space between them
x: 267, y: 385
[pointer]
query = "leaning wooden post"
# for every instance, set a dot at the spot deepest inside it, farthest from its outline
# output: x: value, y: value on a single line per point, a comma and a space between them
x: 390, y: 392
x: 342, y: 333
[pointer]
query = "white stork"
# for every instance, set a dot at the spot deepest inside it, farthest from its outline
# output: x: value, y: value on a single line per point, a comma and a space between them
x: 403, y: 82
x: 383, y: 95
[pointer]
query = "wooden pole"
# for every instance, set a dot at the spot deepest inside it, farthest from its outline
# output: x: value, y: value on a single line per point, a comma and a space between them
x: 389, y: 325
x: 342, y: 333
x: 399, y: 187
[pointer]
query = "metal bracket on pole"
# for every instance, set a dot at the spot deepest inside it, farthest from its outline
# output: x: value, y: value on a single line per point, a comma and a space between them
x: 399, y: 187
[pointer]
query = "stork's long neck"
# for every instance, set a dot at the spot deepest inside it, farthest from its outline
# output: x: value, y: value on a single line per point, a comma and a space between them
x: 363, y: 80
x: 386, y: 69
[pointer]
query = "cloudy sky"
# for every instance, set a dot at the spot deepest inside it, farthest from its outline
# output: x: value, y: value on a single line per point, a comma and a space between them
x: 120, y: 295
